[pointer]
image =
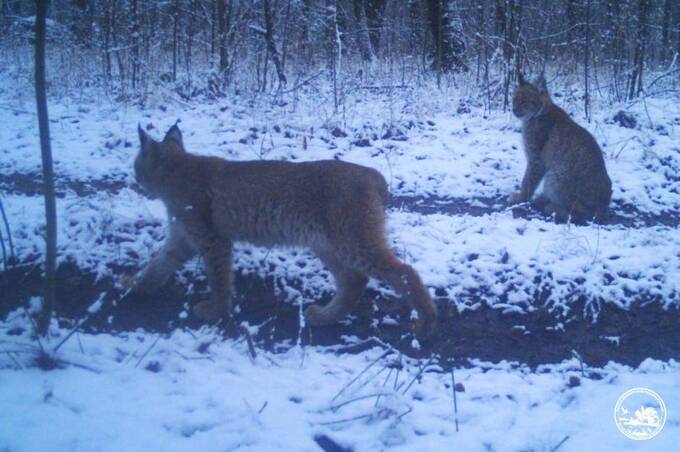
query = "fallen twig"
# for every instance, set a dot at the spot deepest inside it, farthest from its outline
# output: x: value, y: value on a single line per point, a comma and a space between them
x: 80, y: 366
x: 405, y: 413
x: 249, y: 341
x: 560, y: 444
x: 87, y: 317
x: 147, y: 351
x: 209, y: 358
x: 301, y: 84
x: 455, y: 400
x: 383, y: 385
x: 355, y: 418
x: 420, y: 372
x: 356, y: 399
x: 4, y: 251
x: 9, y: 353
x: 580, y: 361
x: 9, y: 233
x: 344, y: 388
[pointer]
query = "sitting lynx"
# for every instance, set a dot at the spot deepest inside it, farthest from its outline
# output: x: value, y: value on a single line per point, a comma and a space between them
x: 563, y: 154
x: 334, y: 208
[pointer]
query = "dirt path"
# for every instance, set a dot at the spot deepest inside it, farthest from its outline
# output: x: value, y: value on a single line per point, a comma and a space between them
x: 487, y: 334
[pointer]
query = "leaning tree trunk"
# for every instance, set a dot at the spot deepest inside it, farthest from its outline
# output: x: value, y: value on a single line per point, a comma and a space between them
x: 48, y: 174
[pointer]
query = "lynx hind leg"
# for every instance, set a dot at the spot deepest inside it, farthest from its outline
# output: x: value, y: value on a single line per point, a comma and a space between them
x: 350, y: 285
x: 176, y: 251
x: 382, y: 264
x: 217, y: 255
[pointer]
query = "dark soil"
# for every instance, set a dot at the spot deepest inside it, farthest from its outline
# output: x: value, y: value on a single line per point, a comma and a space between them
x: 618, y: 214
x: 487, y: 334
x: 31, y: 184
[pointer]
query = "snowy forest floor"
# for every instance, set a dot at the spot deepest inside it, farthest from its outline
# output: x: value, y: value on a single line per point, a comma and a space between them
x: 511, y: 286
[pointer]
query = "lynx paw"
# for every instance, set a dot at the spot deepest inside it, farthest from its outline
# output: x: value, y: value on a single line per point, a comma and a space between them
x: 127, y: 281
x: 209, y: 311
x: 516, y: 198
x: 315, y: 316
x: 425, y: 327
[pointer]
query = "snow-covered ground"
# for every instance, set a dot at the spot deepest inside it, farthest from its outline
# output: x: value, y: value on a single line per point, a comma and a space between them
x: 138, y: 391
x: 450, y: 172
x: 430, y: 154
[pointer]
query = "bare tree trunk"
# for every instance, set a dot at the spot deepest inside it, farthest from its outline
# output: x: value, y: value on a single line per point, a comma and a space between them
x: 573, y: 31
x: 639, y: 58
x: 213, y: 8
x: 617, y: 42
x: 114, y: 40
x: 665, y: 31
x: 586, y: 63
x: 500, y: 23
x: 374, y: 17
x: 511, y: 47
x: 361, y: 26
x: 222, y: 35
x: 189, y: 33
x: 448, y: 49
x: 271, y: 45
x: 306, y: 41
x: 481, y: 32
x: 135, y: 43
x: 517, y: 34
x: 333, y: 46
x: 677, y: 28
x: 286, y: 33
x: 48, y: 173
x: 175, y: 38
x: 107, y: 42
x: 81, y: 24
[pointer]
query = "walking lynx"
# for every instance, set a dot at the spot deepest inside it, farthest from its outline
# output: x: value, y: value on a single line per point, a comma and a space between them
x: 334, y: 208
x: 563, y: 154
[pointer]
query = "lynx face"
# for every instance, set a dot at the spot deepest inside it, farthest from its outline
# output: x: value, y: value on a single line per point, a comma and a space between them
x: 527, y: 101
x: 149, y: 155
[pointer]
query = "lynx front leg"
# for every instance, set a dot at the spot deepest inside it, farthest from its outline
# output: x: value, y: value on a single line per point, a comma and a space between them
x: 532, y: 177
x: 177, y: 250
x: 217, y: 254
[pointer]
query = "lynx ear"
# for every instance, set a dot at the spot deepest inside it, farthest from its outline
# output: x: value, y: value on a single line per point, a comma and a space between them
x: 541, y: 83
x: 174, y: 134
x: 520, y: 78
x: 144, y: 139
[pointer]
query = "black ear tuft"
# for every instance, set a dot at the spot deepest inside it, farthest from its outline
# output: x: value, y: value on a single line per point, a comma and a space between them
x: 541, y: 84
x: 520, y: 78
x: 174, y: 134
x: 144, y: 139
